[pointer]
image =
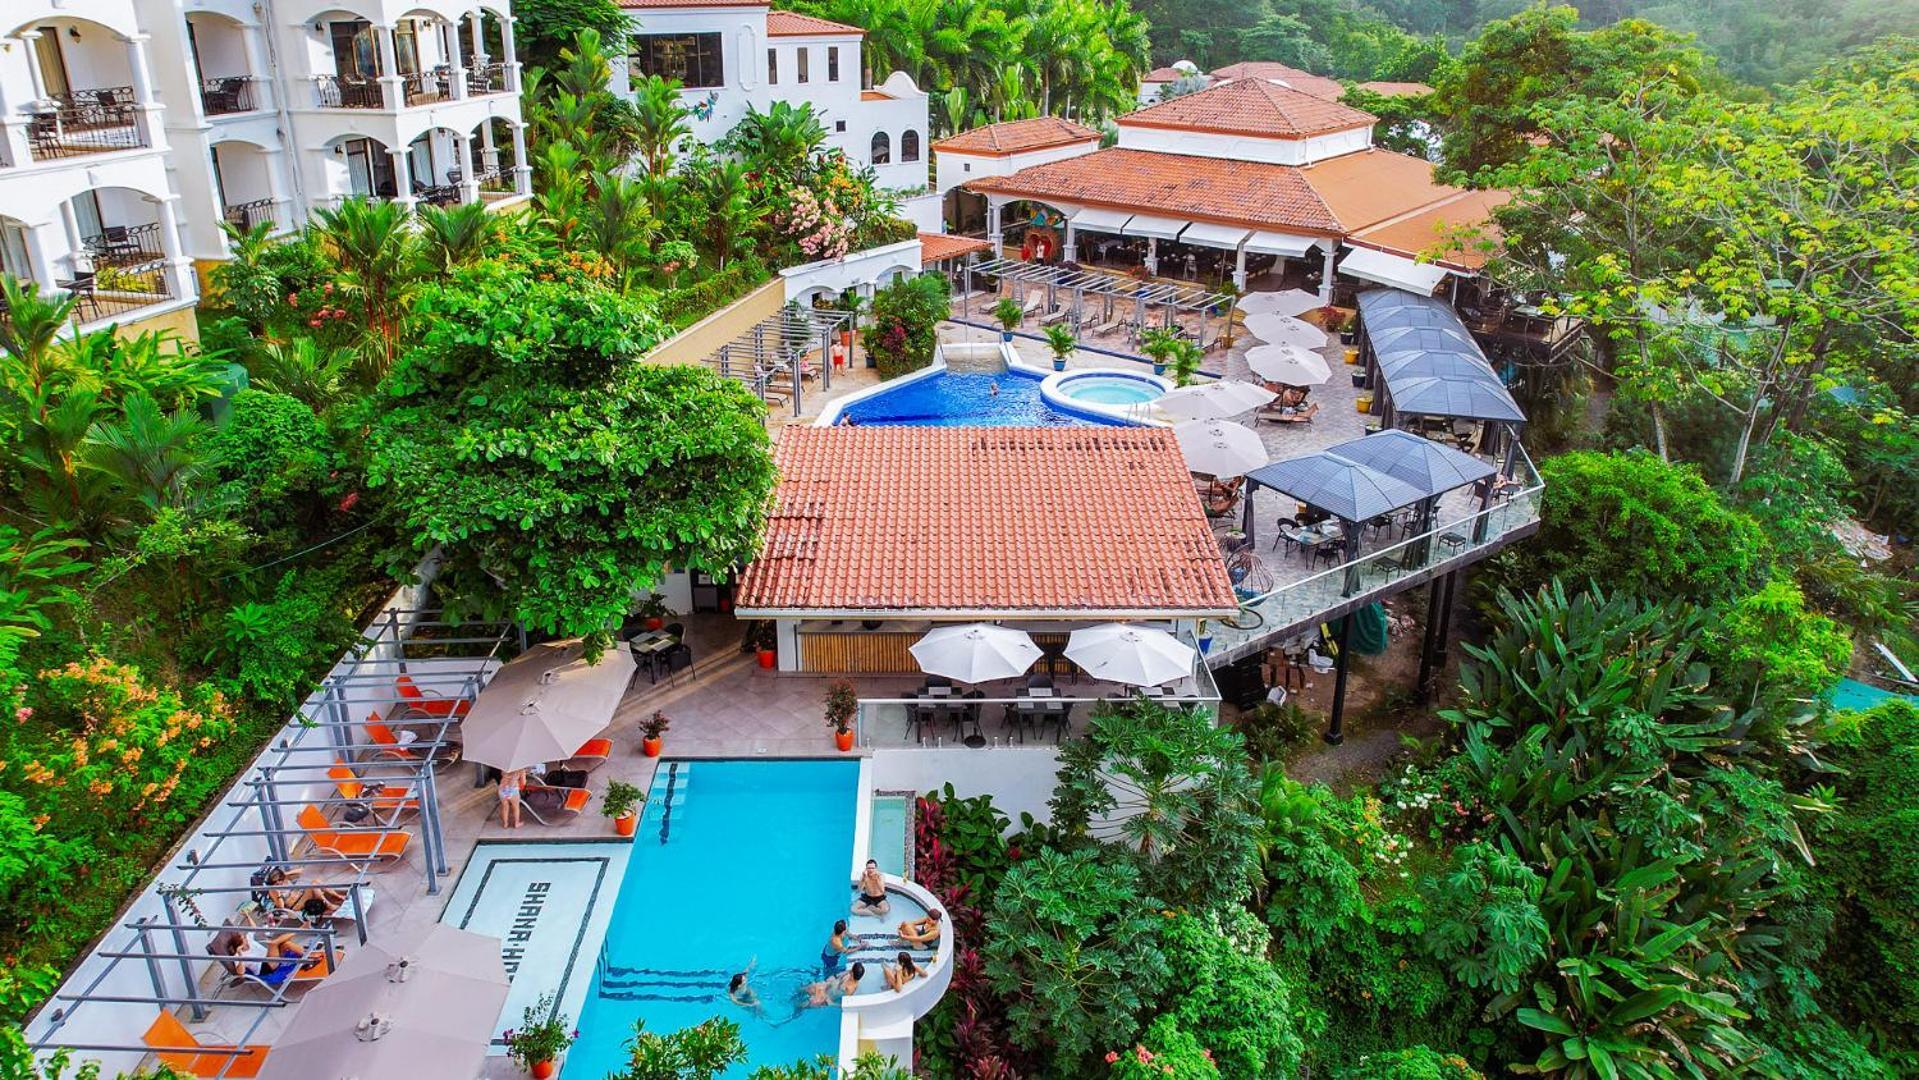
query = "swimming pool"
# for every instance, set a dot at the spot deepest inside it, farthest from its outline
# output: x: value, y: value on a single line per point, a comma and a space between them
x: 955, y: 399
x: 890, y: 833
x: 734, y: 861
x: 1110, y: 388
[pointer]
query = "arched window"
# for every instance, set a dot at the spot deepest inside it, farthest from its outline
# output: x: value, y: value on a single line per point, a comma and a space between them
x: 882, y: 149
x: 909, y: 145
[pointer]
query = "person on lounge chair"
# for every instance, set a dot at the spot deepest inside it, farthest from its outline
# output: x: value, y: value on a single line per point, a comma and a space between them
x: 872, y: 888
x: 277, y: 957
x: 922, y: 932
x: 280, y: 897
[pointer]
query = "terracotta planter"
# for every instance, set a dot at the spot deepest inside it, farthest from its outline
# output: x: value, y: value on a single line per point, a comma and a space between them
x: 626, y: 825
x: 541, y: 1070
x: 843, y: 740
x: 655, y: 623
x: 652, y: 747
x: 768, y: 658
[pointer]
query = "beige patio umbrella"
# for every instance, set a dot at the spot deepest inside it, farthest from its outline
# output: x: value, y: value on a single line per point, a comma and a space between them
x: 976, y: 652
x: 1135, y: 655
x: 1220, y: 447
x: 1288, y: 302
x: 423, y: 1009
x: 1213, y: 400
x: 1288, y: 364
x: 543, y: 705
x: 1286, y: 330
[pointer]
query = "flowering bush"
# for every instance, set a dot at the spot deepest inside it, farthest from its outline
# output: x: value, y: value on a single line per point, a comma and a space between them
x: 543, y: 1034
x: 1178, y: 1057
x: 816, y: 224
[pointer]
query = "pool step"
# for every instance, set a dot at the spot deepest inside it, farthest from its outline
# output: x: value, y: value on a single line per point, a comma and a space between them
x: 672, y: 798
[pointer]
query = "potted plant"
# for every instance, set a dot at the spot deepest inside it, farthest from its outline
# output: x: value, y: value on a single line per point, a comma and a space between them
x: 764, y: 641
x: 1009, y: 314
x: 1062, y: 343
x: 1348, y: 329
x: 842, y: 702
x: 654, y: 611
x: 622, y: 803
x: 1205, y: 637
x: 651, y: 729
x: 1158, y: 343
x: 543, y: 1035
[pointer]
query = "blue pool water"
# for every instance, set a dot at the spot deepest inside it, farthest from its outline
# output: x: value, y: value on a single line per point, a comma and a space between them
x: 952, y: 399
x: 1853, y: 694
x: 744, y: 859
x: 1110, y: 389
x: 888, y: 833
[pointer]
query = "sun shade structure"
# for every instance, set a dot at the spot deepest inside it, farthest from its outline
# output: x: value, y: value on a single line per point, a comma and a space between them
x: 1428, y: 362
x: 422, y: 1010
x: 1288, y: 364
x: 1288, y: 302
x: 1277, y: 329
x: 1219, y: 447
x: 544, y: 704
x: 1213, y: 400
x: 1340, y: 486
x: 1134, y: 655
x: 977, y: 652
x: 1422, y: 463
x: 1465, y: 398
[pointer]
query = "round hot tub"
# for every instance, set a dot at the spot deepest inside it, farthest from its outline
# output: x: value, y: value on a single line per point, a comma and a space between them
x: 1104, y: 392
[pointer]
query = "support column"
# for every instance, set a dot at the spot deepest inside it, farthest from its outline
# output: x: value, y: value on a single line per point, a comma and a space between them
x: 456, y: 73
x: 1428, y: 643
x: 149, y: 108
x: 522, y: 171
x: 14, y: 149
x: 1440, y: 645
x: 391, y: 95
x: 489, y: 153
x: 277, y: 189
x: 266, y: 89
x: 34, y: 74
x: 866, y: 304
x: 76, y: 247
x: 995, y: 234
x: 1326, y: 276
x: 1070, y: 253
x: 179, y: 267
x: 1239, y: 268
x: 40, y: 252
x: 1152, y: 255
x: 511, y: 55
x: 402, y: 177
x: 1336, y: 724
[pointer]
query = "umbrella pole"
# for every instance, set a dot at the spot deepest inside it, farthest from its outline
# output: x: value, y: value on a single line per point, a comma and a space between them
x: 1335, y: 727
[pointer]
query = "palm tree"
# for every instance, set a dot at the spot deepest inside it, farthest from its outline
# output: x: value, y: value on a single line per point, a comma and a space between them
x: 660, y: 116
x: 149, y: 456
x: 779, y: 140
x: 374, y: 247
x: 304, y: 369
x: 729, y: 209
x: 1061, y: 343
x: 29, y: 362
x: 618, y: 223
x: 893, y: 33
x: 954, y: 110
x: 455, y: 236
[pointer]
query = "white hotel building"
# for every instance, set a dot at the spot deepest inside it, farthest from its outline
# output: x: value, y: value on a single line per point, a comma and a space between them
x: 130, y: 129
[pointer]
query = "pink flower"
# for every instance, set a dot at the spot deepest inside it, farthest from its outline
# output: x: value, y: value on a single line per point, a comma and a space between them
x: 293, y: 298
x: 1112, y: 1056
x: 22, y: 714
x: 315, y: 323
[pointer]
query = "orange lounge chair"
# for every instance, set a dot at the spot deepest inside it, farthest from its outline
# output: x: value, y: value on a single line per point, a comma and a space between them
x: 361, y: 847
x: 387, y: 745
x: 390, y: 807
x: 177, y: 1048
x: 317, y: 964
x: 430, y: 702
x: 591, y: 755
x: 562, y: 804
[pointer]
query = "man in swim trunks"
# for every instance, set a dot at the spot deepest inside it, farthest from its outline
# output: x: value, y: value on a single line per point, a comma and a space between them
x: 827, y: 991
x: 836, y: 949
x: 872, y: 888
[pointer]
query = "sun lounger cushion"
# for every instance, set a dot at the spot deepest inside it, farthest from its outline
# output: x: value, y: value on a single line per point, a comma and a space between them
x: 193, y: 1057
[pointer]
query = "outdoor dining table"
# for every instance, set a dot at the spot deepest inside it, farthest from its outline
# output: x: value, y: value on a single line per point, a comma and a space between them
x: 937, y: 703
x: 1038, y: 706
x: 649, y: 648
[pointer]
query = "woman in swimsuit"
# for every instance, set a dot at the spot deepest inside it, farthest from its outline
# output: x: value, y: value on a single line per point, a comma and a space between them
x: 512, y: 784
x: 836, y: 949
x: 898, y: 975
x: 872, y: 888
x: 739, y: 993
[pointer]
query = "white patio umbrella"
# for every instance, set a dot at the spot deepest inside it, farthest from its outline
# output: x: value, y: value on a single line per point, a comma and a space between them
x: 1213, y: 400
x: 424, y: 1009
x: 1288, y: 302
x: 1135, y: 655
x: 1288, y: 364
x: 1220, y: 447
x: 1286, y: 330
x: 976, y: 652
x: 544, y: 705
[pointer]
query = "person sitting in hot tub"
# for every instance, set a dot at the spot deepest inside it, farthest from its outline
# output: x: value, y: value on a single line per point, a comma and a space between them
x: 923, y: 932
x: 872, y: 888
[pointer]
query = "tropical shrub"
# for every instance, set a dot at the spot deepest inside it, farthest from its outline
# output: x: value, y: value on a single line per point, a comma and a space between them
x: 700, y: 1052
x: 1226, y: 995
x: 1412, y: 1063
x: 269, y: 462
x: 1165, y: 1052
x: 901, y: 333
x: 1484, y: 918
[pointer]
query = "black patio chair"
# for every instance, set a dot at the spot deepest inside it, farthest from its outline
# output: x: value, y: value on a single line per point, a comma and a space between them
x: 679, y: 658
x: 677, y: 630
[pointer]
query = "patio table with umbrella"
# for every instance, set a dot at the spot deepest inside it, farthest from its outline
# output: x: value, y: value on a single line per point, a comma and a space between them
x: 1286, y: 302
x: 1286, y: 330
x: 1134, y: 655
x: 1213, y: 400
x: 1219, y: 447
x: 425, y: 1010
x: 1288, y: 364
x: 976, y: 652
x: 544, y: 705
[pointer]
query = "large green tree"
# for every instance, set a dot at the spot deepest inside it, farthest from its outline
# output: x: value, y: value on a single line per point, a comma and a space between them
x: 554, y: 471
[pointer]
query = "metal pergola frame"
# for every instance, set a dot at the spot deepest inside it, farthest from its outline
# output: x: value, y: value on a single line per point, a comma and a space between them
x: 768, y: 352
x: 1108, y: 289
x: 319, y: 738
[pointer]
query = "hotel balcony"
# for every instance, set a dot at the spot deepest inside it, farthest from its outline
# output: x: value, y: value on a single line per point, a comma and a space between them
x: 431, y: 61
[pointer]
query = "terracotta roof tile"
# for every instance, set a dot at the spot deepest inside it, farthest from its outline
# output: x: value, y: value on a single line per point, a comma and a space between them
x: 1250, y: 107
x: 1372, y: 186
x: 1251, y: 193
x: 1436, y: 228
x: 1397, y: 89
x: 937, y: 246
x: 1305, y: 82
x: 1016, y: 136
x: 1161, y: 74
x: 793, y: 24
x: 1094, y: 520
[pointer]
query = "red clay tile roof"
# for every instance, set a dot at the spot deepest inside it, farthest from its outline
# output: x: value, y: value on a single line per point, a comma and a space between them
x: 874, y: 95
x: 793, y: 24
x: 1092, y: 520
x: 1249, y: 193
x: 1305, y: 82
x: 1450, y: 229
x: 937, y: 246
x: 691, y: 4
x: 1368, y: 187
x: 1397, y: 89
x: 1250, y: 107
x: 1161, y: 74
x: 1016, y: 136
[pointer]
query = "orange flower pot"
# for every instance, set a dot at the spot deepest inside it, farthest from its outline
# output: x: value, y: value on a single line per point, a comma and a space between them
x: 625, y: 825
x: 542, y: 1070
x: 843, y: 740
x: 652, y: 747
x: 768, y: 658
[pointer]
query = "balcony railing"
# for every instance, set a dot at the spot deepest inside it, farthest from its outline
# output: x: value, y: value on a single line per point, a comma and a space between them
x: 437, y: 194
x: 349, y: 92
x: 487, y: 78
x: 125, y: 245
x: 245, y: 216
x: 114, y: 290
x: 232, y: 94
x: 84, y: 122
x: 426, y: 87
x: 1297, y: 603
x: 498, y: 182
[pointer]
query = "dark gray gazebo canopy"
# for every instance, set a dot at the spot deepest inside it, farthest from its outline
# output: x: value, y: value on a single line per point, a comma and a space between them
x: 1422, y: 463
x: 1433, y: 365
x: 1340, y: 486
x: 1428, y: 361
x: 1460, y: 398
x: 1431, y: 338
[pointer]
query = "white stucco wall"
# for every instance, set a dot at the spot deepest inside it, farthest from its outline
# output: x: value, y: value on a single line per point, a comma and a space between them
x: 959, y: 167
x: 1243, y: 148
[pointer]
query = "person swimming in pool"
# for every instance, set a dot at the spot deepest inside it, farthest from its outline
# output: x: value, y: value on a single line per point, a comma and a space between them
x: 837, y: 946
x: 827, y: 991
x: 992, y: 389
x: 742, y: 994
x: 872, y: 888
